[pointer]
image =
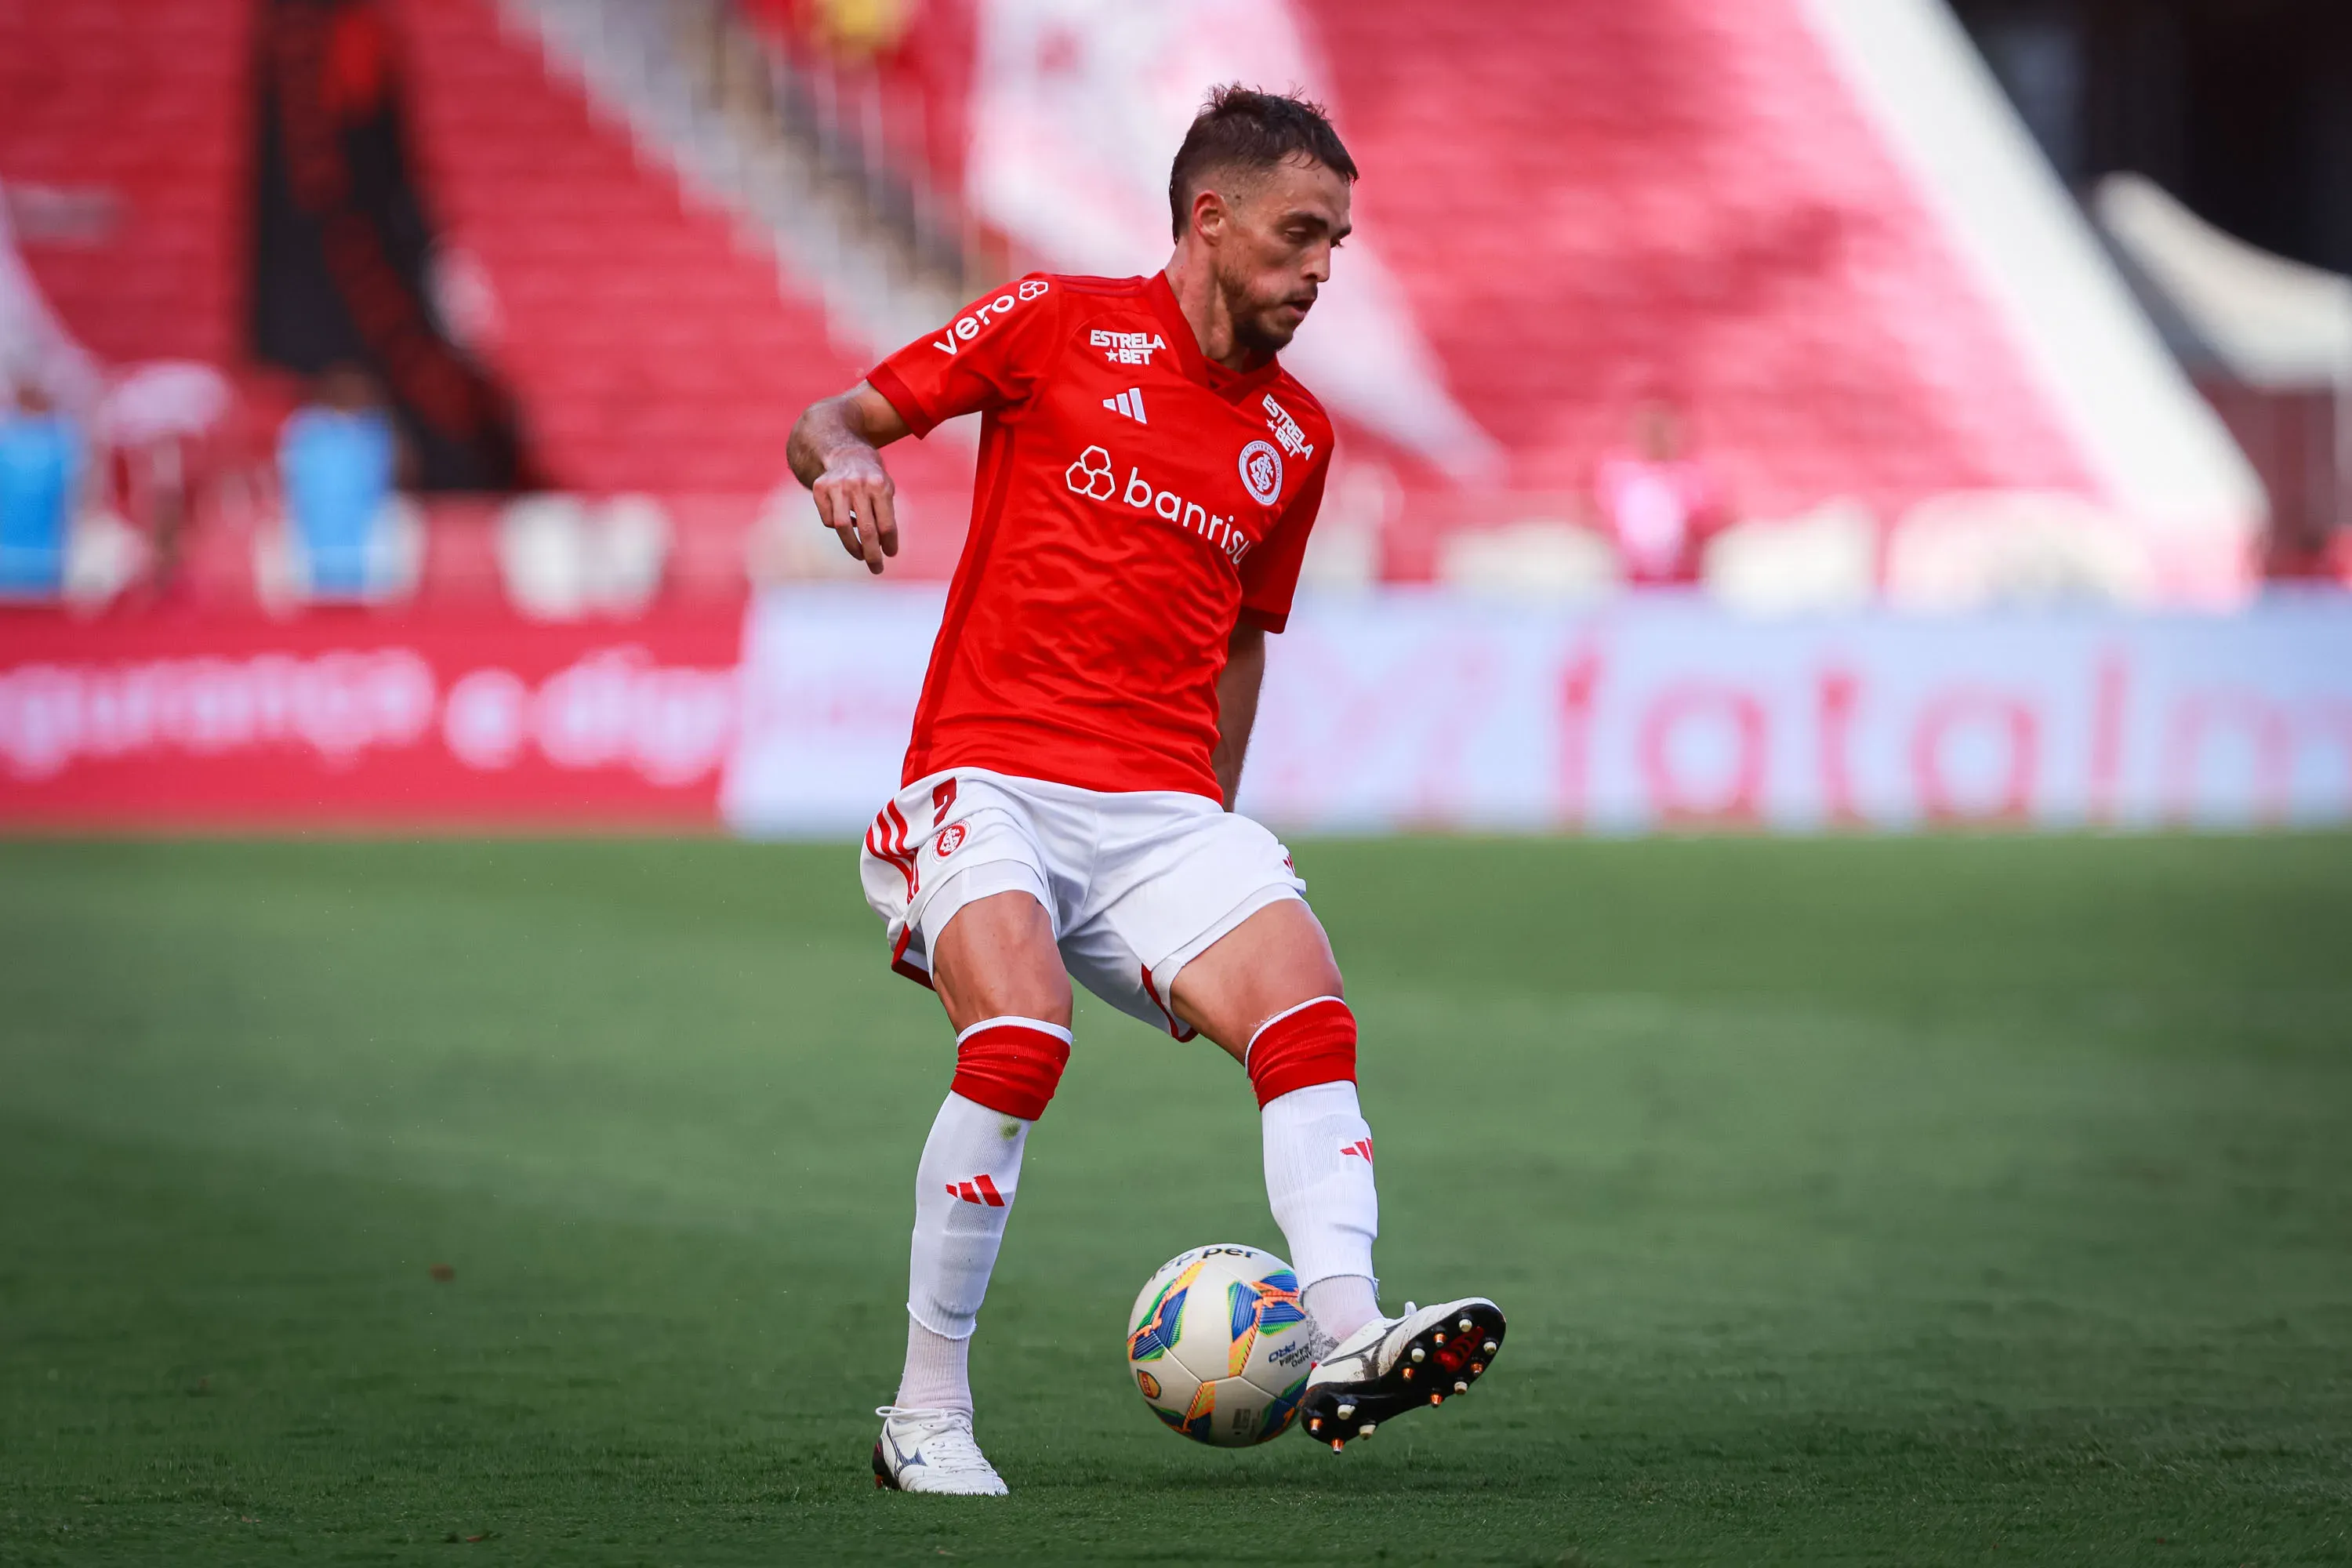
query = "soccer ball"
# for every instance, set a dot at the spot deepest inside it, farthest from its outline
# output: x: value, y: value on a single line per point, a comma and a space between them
x: 1218, y: 1345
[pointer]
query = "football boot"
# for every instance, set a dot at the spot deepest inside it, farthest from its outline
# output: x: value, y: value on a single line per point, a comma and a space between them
x: 931, y: 1451
x: 1392, y: 1365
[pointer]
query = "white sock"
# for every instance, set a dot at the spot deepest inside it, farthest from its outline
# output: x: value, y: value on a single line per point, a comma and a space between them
x: 938, y: 1372
x: 964, y: 1189
x: 1341, y: 1304
x: 1318, y: 1181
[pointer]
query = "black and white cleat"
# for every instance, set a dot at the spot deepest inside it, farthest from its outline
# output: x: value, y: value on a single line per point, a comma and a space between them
x: 1392, y: 1365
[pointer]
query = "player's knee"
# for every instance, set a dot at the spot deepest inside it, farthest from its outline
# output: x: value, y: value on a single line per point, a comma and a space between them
x: 1312, y: 1043
x: 1011, y: 1065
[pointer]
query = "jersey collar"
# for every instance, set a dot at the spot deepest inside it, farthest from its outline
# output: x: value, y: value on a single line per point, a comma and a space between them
x: 1231, y: 386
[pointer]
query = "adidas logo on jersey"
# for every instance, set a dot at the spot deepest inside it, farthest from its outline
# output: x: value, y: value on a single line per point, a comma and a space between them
x: 1129, y: 402
x: 979, y: 1190
x: 1361, y: 1149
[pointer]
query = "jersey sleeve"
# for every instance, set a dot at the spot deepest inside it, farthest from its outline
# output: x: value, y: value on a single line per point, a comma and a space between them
x: 989, y: 357
x: 1270, y: 574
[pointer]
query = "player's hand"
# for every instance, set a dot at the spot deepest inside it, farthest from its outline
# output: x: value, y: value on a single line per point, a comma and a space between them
x: 855, y: 499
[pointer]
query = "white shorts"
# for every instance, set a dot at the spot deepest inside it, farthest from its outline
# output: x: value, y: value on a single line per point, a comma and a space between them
x: 1137, y: 885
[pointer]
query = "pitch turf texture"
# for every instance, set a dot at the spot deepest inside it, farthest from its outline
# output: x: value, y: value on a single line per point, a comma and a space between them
x: 1948, y: 1201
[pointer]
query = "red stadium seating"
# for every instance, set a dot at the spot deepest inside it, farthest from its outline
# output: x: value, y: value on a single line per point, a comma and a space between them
x: 1592, y: 204
x: 648, y: 342
x: 648, y: 337
x: 1589, y: 204
x: 1596, y: 203
x: 144, y: 98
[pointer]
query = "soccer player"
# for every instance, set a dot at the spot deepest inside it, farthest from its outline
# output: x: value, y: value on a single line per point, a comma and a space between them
x: 1148, y: 477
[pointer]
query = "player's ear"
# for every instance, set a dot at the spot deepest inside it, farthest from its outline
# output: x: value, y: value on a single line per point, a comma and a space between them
x: 1209, y: 216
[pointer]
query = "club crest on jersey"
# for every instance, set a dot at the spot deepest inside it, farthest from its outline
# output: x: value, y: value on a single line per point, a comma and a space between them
x: 950, y: 840
x: 1126, y: 348
x: 966, y: 327
x: 1292, y: 439
x: 1262, y: 472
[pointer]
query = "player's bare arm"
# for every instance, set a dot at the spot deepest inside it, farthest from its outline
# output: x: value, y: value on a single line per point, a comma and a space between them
x: 1279, y: 957
x: 835, y: 451
x: 1237, y: 690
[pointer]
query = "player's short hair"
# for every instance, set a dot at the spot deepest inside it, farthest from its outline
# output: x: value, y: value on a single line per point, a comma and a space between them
x: 1240, y: 127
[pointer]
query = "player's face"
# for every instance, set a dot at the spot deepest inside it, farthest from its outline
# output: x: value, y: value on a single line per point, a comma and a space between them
x: 1276, y: 250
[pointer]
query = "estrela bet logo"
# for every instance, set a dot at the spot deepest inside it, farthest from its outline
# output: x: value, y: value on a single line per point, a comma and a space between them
x: 1286, y: 429
x: 1126, y: 348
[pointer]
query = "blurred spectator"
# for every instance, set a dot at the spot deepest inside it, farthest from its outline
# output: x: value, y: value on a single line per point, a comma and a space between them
x: 44, y: 462
x: 1657, y: 502
x: 167, y: 424
x: 349, y: 535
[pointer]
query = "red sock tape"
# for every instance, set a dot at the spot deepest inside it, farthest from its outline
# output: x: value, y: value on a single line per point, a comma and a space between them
x: 1011, y: 1068
x: 1311, y: 1045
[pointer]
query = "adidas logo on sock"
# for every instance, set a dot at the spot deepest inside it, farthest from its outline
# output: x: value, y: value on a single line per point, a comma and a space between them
x: 1129, y: 402
x: 1361, y: 1149
x: 979, y: 1190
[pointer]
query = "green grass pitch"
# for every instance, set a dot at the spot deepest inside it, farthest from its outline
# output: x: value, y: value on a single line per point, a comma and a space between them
x: 1966, y: 1201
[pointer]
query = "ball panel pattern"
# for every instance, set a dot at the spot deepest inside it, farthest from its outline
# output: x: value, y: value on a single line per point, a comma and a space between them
x: 1218, y: 1346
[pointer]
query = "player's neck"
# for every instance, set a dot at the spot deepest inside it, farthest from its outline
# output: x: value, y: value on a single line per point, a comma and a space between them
x: 1205, y: 310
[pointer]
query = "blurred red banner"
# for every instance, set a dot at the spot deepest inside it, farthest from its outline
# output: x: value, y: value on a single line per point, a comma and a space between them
x: 348, y: 719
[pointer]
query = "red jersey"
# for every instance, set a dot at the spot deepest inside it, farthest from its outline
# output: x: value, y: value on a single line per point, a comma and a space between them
x: 1134, y: 503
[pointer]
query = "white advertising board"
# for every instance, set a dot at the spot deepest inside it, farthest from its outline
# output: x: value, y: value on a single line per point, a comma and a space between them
x: 1413, y: 709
